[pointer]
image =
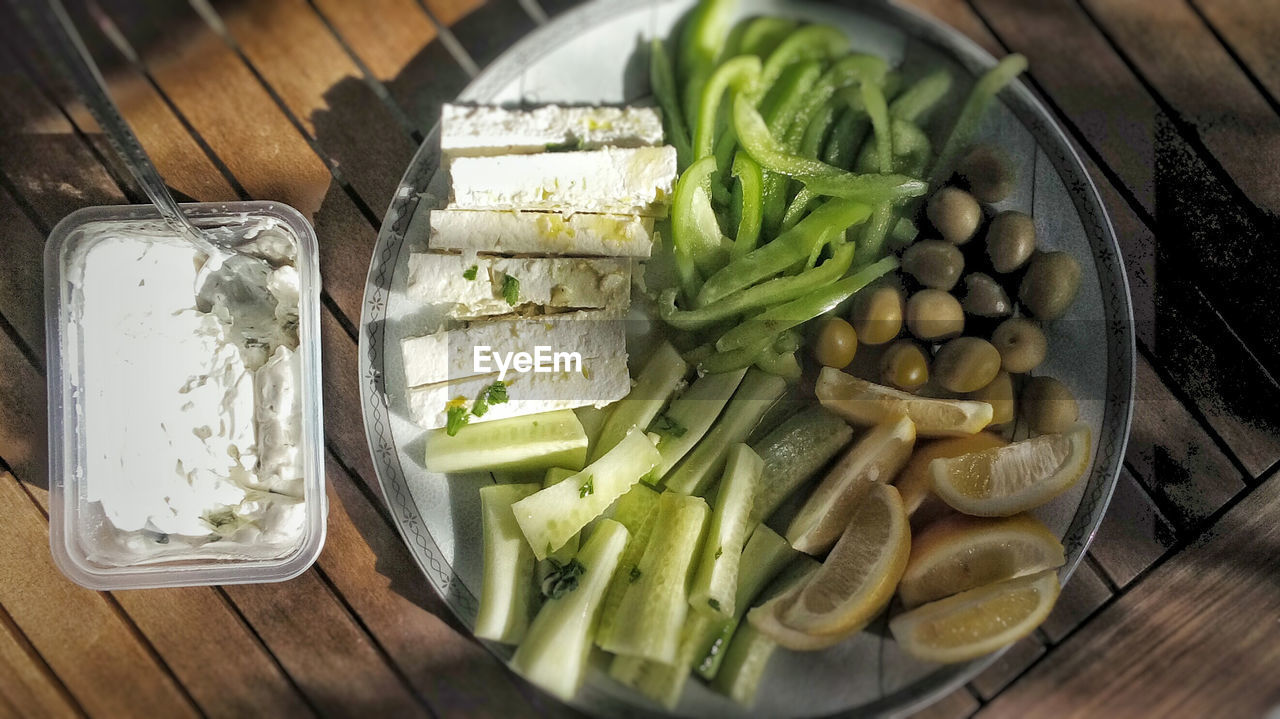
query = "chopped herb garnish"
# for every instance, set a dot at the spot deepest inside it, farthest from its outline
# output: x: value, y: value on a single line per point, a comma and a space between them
x: 470, y: 272
x: 719, y: 552
x: 480, y: 407
x: 455, y: 419
x: 496, y: 393
x: 664, y: 424
x: 511, y: 290
x: 714, y: 604
x: 588, y: 487
x: 635, y: 574
x: 562, y: 579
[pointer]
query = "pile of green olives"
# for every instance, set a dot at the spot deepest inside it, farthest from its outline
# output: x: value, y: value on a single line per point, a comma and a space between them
x: 966, y: 316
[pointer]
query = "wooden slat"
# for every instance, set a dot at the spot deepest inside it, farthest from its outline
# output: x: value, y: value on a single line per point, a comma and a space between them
x: 322, y: 87
x: 29, y: 687
x: 1133, y: 534
x: 1251, y: 36
x: 956, y: 705
x: 1197, y: 638
x: 1192, y: 71
x: 82, y: 637
x: 22, y: 247
x: 1080, y: 597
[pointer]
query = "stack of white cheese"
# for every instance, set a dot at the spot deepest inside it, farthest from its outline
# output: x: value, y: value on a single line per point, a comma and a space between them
x: 549, y: 210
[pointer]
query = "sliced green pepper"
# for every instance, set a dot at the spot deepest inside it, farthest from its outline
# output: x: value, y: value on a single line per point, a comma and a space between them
x: 701, y: 44
x: 961, y: 135
x: 811, y: 42
x: 782, y: 364
x: 761, y: 35
x: 696, y: 239
x: 663, y: 81
x: 787, y: 250
x: 761, y: 329
x: 749, y: 189
x: 856, y: 69
x: 767, y: 293
x: 742, y: 74
x: 846, y: 137
x: 920, y: 98
x: 878, y: 111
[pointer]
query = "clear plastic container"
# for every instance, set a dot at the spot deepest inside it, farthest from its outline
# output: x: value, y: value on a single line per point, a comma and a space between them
x: 79, y: 532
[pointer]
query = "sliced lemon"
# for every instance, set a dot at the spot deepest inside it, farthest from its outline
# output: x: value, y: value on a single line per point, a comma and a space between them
x: 766, y: 620
x: 958, y: 553
x: 1004, y: 481
x: 914, y: 482
x: 865, y: 403
x: 875, y: 458
x: 859, y: 576
x: 976, y: 622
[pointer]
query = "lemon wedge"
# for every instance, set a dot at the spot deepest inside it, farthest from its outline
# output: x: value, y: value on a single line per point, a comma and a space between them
x: 875, y: 458
x: 959, y: 553
x: 865, y: 403
x: 977, y: 622
x: 1004, y: 481
x: 916, y: 485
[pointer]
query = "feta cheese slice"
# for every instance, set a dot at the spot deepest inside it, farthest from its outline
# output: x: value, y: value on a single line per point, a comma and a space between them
x: 453, y: 355
x: 519, y: 232
x: 624, y: 181
x: 602, y: 380
x: 472, y: 131
x: 478, y: 286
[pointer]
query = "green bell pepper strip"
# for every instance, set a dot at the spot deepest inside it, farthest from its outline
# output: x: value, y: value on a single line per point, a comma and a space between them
x: 701, y: 43
x: 912, y: 151
x: 911, y: 154
x: 761, y: 35
x: 811, y: 42
x: 778, y: 110
x: 695, y: 236
x: 787, y: 250
x: 961, y: 135
x: 749, y: 188
x: 818, y: 127
x: 782, y: 364
x: 801, y: 205
x: 916, y: 101
x: 769, y: 324
x: 742, y: 74
x: 663, y: 81
x: 846, y: 137
x: 818, y: 176
x: 856, y: 69
x: 878, y: 111
x: 717, y: 361
x: 771, y: 292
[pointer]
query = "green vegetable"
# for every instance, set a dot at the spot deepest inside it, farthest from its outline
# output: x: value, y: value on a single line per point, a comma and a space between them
x: 761, y: 35
x: 780, y: 364
x: 966, y: 124
x: 495, y: 393
x: 562, y: 579
x: 810, y: 42
x: 553, y: 515
x: 565, y: 554
x: 846, y: 137
x: 470, y: 272
x: 511, y: 290
x: 878, y: 111
x: 656, y: 604
x: 694, y: 412
x: 749, y: 190
x: 456, y: 418
x: 530, y: 442
x: 773, y: 322
x: 916, y: 101
x: 778, y: 111
x: 696, y: 240
x: 669, y: 427
x: 742, y: 74
x: 506, y: 594
x: 700, y: 45
x: 664, y: 682
x: 754, y: 397
x: 555, y: 650
x: 637, y: 510
x: 818, y: 176
x: 662, y: 374
x: 855, y: 69
x: 663, y: 81
x: 716, y: 580
x: 795, y: 451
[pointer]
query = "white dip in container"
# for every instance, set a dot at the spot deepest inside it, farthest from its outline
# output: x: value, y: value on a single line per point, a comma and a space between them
x: 188, y: 399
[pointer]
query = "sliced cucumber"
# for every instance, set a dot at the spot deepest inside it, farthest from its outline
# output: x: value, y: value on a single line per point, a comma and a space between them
x: 660, y: 377
x: 757, y: 393
x: 637, y: 510
x: 664, y: 683
x: 561, y: 556
x: 592, y: 419
x: 715, y: 584
x: 507, y: 594
x: 748, y: 654
x: 765, y: 555
x: 555, y: 651
x: 556, y: 475
x: 531, y: 442
x: 690, y: 415
x: 655, y: 605
x: 793, y: 453
x: 553, y: 515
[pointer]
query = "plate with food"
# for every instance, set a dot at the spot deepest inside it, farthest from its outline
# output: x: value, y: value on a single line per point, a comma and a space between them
x: 761, y: 358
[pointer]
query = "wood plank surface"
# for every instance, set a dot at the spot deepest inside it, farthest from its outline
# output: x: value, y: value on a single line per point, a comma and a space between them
x: 1181, y: 643
x: 29, y: 687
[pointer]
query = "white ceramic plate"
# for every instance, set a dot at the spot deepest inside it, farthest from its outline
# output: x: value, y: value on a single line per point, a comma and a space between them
x: 596, y: 54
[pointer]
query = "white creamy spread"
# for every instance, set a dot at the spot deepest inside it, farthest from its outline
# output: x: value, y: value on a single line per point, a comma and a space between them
x: 191, y: 408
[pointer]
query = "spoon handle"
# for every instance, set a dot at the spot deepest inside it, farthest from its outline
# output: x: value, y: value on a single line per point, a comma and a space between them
x: 49, y: 21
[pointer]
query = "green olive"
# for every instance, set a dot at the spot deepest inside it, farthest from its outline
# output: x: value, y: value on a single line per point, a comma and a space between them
x: 1050, y: 284
x: 1021, y: 343
x: 877, y: 314
x: 954, y: 214
x: 934, y: 263
x: 836, y: 343
x: 984, y: 297
x: 999, y: 394
x: 966, y: 364
x: 904, y: 366
x: 989, y: 173
x: 1011, y: 239
x: 934, y: 315
x: 1048, y: 406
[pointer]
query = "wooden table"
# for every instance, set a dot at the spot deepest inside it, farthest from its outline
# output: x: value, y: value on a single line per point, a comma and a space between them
x: 320, y: 103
